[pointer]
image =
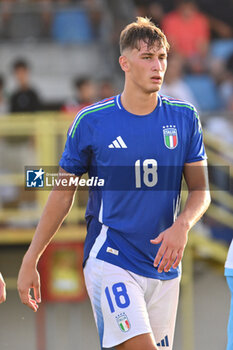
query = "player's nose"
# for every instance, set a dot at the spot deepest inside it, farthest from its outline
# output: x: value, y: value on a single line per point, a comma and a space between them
x: 156, y: 66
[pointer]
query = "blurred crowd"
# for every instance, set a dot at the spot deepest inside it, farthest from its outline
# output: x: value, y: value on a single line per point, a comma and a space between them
x: 200, y: 65
x: 25, y: 98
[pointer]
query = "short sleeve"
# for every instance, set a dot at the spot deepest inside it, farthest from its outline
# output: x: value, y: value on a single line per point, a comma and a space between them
x: 196, y: 150
x: 76, y: 157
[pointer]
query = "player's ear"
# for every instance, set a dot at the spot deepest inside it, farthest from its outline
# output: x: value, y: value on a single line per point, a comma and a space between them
x: 124, y: 63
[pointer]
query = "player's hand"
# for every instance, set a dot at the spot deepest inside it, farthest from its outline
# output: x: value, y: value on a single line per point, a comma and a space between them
x: 171, y: 251
x: 2, y: 289
x: 29, y: 279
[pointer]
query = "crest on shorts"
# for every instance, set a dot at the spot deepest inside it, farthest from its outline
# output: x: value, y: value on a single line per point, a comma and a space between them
x: 170, y: 136
x: 123, y: 322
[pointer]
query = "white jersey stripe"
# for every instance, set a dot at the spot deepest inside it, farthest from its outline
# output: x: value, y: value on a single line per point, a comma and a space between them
x: 178, y: 101
x: 99, y: 242
x: 101, y: 212
x: 97, y: 105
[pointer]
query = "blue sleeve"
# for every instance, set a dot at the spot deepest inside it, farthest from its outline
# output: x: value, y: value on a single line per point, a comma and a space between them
x: 76, y: 157
x: 196, y: 149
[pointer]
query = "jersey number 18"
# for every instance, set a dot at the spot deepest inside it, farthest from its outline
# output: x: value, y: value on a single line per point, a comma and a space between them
x: 150, y: 175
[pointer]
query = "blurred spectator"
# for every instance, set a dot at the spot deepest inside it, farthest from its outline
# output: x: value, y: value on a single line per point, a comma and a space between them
x: 174, y: 85
x: 120, y: 12
x: 106, y: 89
x: 46, y: 17
x: 95, y: 10
x: 5, y: 16
x: 152, y: 9
x: 84, y: 94
x: 226, y: 86
x: 20, y: 20
x: 188, y: 32
x: 220, y: 17
x: 156, y: 13
x: 142, y: 7
x: 25, y: 98
x: 4, y: 108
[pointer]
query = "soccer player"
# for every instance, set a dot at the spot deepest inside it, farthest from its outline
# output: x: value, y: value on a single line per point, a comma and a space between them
x: 141, y: 144
x: 229, y: 277
x: 2, y: 289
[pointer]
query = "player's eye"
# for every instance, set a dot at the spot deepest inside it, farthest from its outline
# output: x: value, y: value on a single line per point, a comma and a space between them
x: 146, y: 57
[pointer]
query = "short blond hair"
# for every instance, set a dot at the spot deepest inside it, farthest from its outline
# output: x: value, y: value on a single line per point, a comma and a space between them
x: 145, y: 30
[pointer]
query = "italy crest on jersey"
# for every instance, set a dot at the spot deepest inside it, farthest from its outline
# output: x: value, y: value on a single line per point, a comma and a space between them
x: 170, y: 136
x: 123, y: 322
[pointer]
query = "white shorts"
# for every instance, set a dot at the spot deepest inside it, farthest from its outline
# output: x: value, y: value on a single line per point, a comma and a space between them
x: 126, y: 304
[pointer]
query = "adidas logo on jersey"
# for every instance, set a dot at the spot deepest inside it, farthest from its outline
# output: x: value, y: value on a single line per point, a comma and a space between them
x: 164, y: 342
x: 118, y: 143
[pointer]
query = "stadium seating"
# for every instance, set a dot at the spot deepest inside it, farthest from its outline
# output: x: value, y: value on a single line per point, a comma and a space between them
x: 71, y: 26
x: 25, y: 25
x: 205, y: 92
x: 221, y: 49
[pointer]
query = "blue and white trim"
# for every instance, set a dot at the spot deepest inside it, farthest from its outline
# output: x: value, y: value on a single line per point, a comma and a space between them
x: 118, y: 101
x: 99, y: 242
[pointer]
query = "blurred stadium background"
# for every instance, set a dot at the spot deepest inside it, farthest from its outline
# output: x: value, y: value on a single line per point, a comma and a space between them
x: 55, y: 58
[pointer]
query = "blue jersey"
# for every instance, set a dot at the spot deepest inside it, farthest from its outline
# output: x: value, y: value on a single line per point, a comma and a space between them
x: 141, y: 159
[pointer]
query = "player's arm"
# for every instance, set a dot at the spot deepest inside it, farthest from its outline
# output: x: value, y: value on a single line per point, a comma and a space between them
x: 56, y: 209
x: 174, y: 239
x: 2, y: 289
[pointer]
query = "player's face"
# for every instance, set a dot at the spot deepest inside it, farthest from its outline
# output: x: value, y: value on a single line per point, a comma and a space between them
x: 146, y: 66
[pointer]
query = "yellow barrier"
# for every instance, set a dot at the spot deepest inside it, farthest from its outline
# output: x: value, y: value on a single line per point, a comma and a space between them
x: 46, y: 130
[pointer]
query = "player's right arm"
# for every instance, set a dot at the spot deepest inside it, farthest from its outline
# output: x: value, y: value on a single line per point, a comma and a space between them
x: 2, y: 289
x: 56, y: 209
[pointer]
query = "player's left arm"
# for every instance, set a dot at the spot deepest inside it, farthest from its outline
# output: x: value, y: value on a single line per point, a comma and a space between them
x: 174, y: 239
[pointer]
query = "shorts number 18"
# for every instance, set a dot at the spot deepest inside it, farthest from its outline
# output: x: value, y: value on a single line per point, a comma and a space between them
x: 121, y: 297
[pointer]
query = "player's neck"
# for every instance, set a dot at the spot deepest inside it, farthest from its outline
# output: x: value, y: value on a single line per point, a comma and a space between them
x: 139, y: 103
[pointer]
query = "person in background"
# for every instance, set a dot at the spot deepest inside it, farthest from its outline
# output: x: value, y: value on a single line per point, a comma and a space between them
x: 154, y: 9
x: 2, y: 289
x: 226, y: 85
x: 219, y: 14
x: 84, y: 95
x: 229, y: 277
x: 4, y: 108
x: 25, y: 98
x: 188, y: 31
x: 106, y: 89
